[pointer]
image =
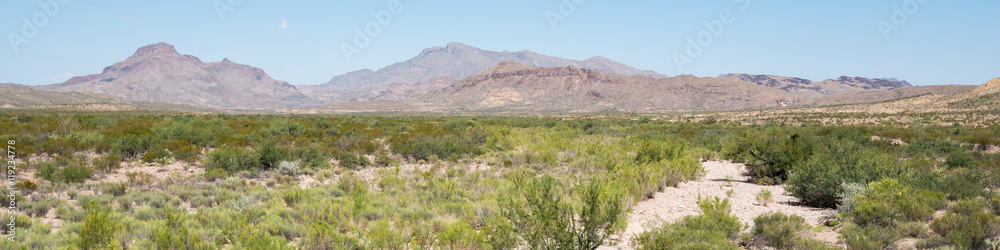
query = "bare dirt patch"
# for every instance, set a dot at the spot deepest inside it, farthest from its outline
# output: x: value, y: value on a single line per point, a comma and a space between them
x: 673, y: 203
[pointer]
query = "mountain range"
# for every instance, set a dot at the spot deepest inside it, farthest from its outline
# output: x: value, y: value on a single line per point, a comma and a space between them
x: 157, y: 73
x: 456, y: 60
x: 462, y: 78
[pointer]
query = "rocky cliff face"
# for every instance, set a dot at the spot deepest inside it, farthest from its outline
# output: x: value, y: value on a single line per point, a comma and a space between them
x: 457, y: 61
x: 810, y: 90
x: 157, y: 73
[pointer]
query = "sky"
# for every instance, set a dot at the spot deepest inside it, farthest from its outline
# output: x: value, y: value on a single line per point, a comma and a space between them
x: 926, y: 42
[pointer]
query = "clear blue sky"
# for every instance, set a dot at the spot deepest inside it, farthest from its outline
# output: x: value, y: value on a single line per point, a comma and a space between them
x: 942, y: 42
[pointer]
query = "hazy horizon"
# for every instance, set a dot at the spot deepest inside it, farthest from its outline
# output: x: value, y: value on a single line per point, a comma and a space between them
x: 923, y: 42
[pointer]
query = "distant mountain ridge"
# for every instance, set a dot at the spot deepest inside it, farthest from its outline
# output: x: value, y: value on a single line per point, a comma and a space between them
x: 808, y: 89
x: 456, y: 60
x: 157, y: 73
x: 512, y: 87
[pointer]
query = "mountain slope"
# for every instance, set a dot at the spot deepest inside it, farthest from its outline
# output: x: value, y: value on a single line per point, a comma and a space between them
x: 886, y: 95
x: 157, y: 73
x: 808, y: 89
x: 512, y: 87
x: 456, y: 60
x: 983, y: 98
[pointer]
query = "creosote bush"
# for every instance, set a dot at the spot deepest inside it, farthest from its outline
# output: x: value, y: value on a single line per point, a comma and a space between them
x: 715, y: 228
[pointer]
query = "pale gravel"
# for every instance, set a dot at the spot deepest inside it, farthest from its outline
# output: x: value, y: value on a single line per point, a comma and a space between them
x: 673, y: 203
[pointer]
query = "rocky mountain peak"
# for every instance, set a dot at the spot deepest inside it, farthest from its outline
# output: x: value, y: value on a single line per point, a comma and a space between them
x: 156, y: 49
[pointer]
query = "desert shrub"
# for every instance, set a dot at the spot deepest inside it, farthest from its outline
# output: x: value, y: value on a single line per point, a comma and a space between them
x: 459, y: 235
x: 960, y: 159
x: 114, y: 188
x: 931, y: 147
x: 956, y: 184
x: 133, y: 144
x: 384, y: 160
x: 770, y: 154
x: 651, y: 151
x: 284, y: 127
x: 715, y: 228
x: 289, y: 167
x: 107, y: 162
x: 819, y: 180
x: 47, y: 171
x: 139, y: 179
x: 173, y: 234
x: 197, y: 131
x: 872, y: 236
x: 158, y: 155
x: 547, y: 221
x: 352, y: 161
x: 887, y: 202
x: 231, y: 159
x: 847, y: 199
x: 764, y: 197
x: 268, y: 155
x: 73, y: 173
x: 441, y: 148
x: 26, y: 185
x: 187, y: 153
x: 99, y: 229
x: 312, y: 157
x: 294, y: 196
x: 783, y: 232
x: 967, y: 231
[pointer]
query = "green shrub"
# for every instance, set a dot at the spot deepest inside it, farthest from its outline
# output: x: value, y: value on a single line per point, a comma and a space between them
x: 384, y: 160
x: 269, y: 155
x: 173, y: 234
x: 966, y: 231
x: 73, y: 173
x: 770, y: 154
x: 312, y: 157
x: 764, y: 197
x: 887, y: 202
x: 158, y: 155
x: 780, y: 231
x: 47, y: 171
x: 441, y: 148
x: 26, y: 185
x: 133, y: 144
x: 100, y: 229
x: 960, y: 159
x: 214, y: 174
x: 231, y: 159
x: 931, y: 147
x: 715, y: 228
x: 114, y: 188
x: 353, y: 161
x: 187, y: 153
x: 819, y: 180
x: 283, y: 127
x: 873, y: 237
x: 546, y: 221
x: 107, y: 162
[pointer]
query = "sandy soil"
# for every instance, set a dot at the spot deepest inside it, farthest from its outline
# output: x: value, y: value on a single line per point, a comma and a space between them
x: 674, y: 203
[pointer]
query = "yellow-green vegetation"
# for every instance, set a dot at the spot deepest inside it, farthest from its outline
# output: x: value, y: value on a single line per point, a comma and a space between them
x: 342, y: 182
